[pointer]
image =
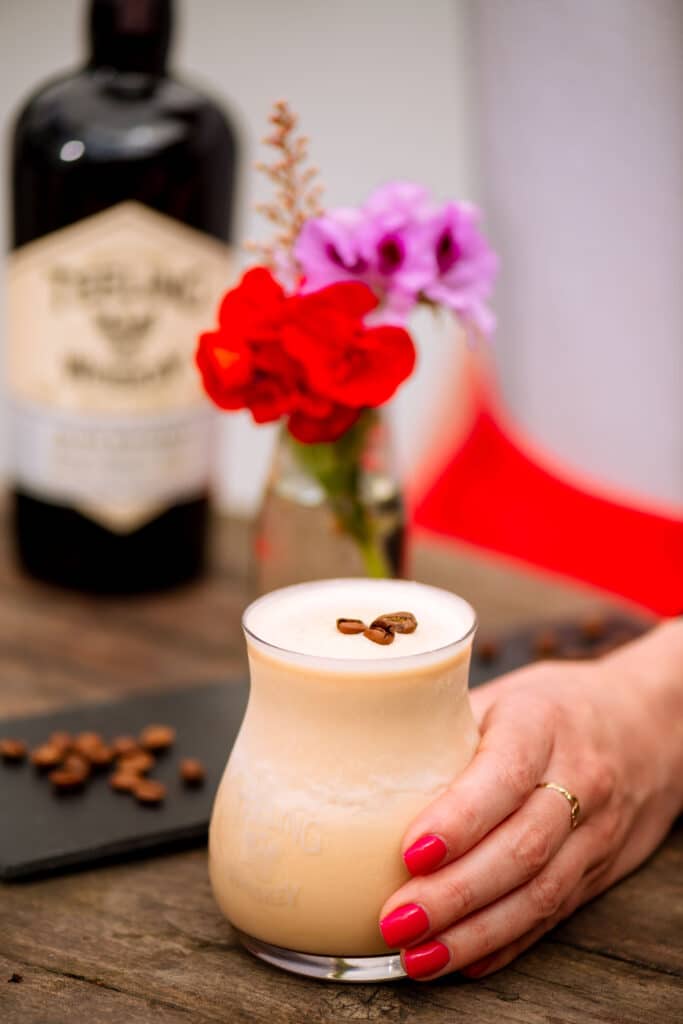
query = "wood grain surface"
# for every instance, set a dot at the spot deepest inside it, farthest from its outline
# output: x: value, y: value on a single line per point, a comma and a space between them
x: 143, y: 941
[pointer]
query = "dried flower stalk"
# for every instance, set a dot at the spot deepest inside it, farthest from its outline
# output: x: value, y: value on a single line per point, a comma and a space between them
x: 297, y: 192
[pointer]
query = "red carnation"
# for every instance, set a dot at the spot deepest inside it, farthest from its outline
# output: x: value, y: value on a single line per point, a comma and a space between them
x: 308, y: 357
x: 352, y: 364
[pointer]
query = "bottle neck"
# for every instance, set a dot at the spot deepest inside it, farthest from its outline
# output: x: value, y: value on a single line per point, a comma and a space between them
x: 130, y: 35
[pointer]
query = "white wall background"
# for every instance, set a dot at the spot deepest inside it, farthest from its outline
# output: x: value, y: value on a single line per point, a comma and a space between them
x: 564, y: 116
x: 581, y: 142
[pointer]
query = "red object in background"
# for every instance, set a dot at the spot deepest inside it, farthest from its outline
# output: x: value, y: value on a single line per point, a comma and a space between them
x: 492, y: 491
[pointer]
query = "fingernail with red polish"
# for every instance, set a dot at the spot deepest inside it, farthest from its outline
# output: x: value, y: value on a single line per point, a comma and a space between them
x: 425, y: 960
x: 425, y: 855
x: 404, y: 925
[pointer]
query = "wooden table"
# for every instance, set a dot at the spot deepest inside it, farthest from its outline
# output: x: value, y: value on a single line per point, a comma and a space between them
x: 143, y: 941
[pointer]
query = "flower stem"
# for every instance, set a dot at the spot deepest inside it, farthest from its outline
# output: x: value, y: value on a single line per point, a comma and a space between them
x: 336, y: 466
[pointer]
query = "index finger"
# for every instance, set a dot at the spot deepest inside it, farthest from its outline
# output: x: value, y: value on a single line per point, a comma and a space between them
x: 515, y: 747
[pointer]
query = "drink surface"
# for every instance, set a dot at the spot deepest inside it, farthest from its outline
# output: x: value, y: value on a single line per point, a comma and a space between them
x: 106, y: 496
x: 302, y: 619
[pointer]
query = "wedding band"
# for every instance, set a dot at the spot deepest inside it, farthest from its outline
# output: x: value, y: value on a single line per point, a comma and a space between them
x: 574, y: 806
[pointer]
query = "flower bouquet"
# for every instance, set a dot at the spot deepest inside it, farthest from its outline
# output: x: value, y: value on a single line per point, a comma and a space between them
x: 315, y: 335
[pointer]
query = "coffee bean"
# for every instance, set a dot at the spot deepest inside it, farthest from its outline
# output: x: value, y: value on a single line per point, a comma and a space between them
x: 487, y: 651
x: 192, y: 771
x: 87, y: 741
x: 593, y: 627
x: 351, y: 626
x: 47, y: 756
x: 157, y: 737
x: 399, y: 622
x: 63, y: 740
x: 123, y: 781
x: 100, y: 756
x: 76, y: 763
x: 379, y: 635
x: 149, y: 791
x: 124, y: 745
x: 12, y: 750
x: 546, y: 643
x: 66, y: 781
x: 136, y: 763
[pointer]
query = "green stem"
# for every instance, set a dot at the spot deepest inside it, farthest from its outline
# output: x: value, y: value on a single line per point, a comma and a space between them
x: 336, y: 466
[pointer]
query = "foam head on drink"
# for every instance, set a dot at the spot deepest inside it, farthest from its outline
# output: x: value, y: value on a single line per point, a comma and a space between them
x: 344, y: 741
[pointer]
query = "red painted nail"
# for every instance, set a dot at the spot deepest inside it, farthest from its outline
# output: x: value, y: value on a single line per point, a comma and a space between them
x: 425, y: 855
x: 404, y: 925
x: 425, y: 960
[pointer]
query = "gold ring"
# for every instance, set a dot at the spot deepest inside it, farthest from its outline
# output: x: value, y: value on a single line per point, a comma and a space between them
x: 574, y: 805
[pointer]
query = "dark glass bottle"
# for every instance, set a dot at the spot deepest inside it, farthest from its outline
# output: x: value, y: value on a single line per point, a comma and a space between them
x: 123, y: 181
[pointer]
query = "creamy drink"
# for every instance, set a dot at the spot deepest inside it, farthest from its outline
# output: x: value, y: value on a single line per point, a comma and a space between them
x: 343, y: 742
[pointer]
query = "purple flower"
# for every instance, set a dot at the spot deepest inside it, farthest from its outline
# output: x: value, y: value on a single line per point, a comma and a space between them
x: 327, y: 249
x: 406, y: 250
x: 464, y: 264
x: 384, y: 244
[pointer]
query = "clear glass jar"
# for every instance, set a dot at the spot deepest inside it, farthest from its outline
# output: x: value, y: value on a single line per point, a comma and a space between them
x: 330, y: 510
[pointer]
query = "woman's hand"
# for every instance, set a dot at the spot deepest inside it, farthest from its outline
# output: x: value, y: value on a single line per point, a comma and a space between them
x: 494, y: 859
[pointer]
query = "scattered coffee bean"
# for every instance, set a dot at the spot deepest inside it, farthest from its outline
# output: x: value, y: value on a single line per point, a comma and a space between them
x: 379, y: 635
x: 157, y: 737
x: 546, y: 643
x: 399, y: 622
x: 569, y: 652
x: 63, y: 740
x: 593, y: 627
x: 351, y: 626
x: 76, y: 763
x: 124, y: 745
x: 149, y: 791
x: 100, y: 756
x: 135, y: 763
x: 47, y: 756
x: 487, y: 651
x: 123, y: 781
x: 192, y: 771
x: 66, y: 781
x: 85, y: 742
x: 12, y: 750
x: 15, y: 979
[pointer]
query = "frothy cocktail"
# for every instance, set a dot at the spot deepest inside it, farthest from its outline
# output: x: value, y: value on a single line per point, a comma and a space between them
x: 343, y: 742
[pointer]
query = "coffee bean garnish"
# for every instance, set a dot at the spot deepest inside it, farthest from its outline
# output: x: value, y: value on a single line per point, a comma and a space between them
x: 149, y: 791
x: 157, y: 737
x: 12, y: 750
x: 400, y: 622
x: 351, y: 626
x: 379, y: 634
x: 192, y: 771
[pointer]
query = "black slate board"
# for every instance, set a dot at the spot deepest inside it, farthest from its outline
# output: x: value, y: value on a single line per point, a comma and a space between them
x: 41, y: 832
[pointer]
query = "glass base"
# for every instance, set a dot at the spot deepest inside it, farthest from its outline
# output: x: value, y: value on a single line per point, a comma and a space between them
x: 326, y: 968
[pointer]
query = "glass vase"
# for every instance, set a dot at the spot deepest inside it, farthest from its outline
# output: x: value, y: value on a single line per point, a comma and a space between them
x: 330, y: 509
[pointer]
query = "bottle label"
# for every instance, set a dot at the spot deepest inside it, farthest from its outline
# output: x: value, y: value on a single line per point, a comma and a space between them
x: 107, y: 410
